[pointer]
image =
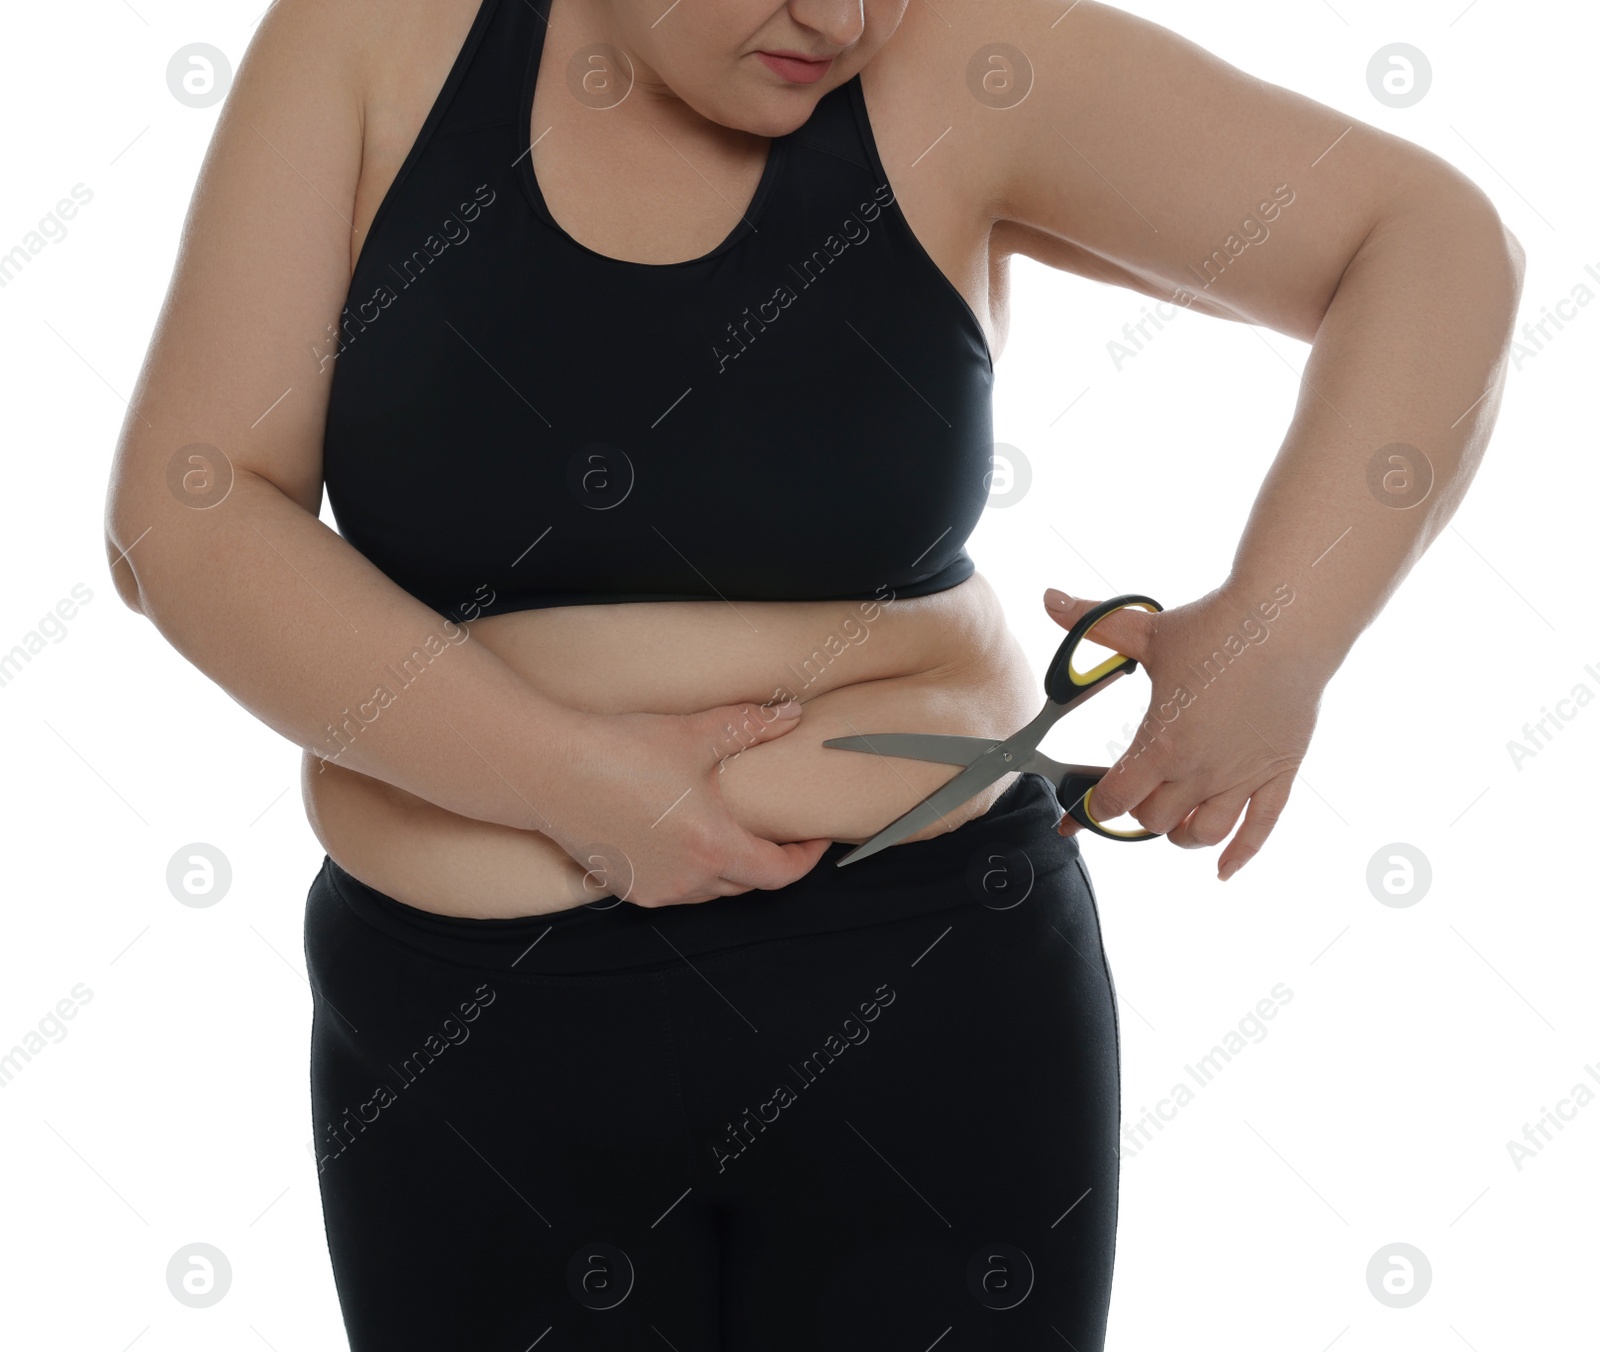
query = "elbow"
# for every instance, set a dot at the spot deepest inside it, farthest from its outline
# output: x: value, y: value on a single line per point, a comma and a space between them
x: 119, y: 544
x: 120, y: 537
x: 1510, y: 263
x: 1454, y: 203
x: 1516, y: 255
x: 122, y: 578
x: 1510, y: 259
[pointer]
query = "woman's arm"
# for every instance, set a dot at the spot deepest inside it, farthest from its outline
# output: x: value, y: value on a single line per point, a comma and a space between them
x: 1400, y: 394
x: 1398, y: 400
x: 212, y: 528
x: 1219, y: 191
x: 253, y: 589
x: 793, y: 788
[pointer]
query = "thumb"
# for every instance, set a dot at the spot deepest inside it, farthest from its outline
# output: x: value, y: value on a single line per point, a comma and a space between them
x: 1121, y: 789
x: 769, y: 865
x: 1065, y: 608
x: 1129, y: 632
x: 730, y: 728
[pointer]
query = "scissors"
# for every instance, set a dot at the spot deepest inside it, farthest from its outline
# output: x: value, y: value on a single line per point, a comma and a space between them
x: 987, y: 759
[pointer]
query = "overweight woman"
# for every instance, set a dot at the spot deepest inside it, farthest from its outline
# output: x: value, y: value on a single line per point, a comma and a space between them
x: 645, y: 353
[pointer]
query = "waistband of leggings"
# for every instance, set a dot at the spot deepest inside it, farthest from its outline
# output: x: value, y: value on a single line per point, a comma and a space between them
x: 991, y: 861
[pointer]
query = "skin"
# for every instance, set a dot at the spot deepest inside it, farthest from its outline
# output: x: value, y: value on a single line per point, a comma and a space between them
x: 1392, y: 265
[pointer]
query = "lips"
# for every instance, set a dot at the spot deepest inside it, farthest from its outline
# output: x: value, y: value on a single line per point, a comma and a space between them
x: 795, y: 69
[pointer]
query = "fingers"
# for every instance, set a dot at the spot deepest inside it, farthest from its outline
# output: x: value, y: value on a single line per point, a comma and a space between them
x: 743, y: 876
x: 1192, y: 827
x: 731, y: 860
x: 730, y: 728
x: 1126, y: 631
x: 766, y: 865
x: 1125, y: 787
x: 1205, y: 824
x: 1211, y: 821
x: 1266, y: 806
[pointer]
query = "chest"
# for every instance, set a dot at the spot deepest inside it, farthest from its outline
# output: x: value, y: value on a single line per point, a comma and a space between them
x: 785, y: 397
x: 664, y: 194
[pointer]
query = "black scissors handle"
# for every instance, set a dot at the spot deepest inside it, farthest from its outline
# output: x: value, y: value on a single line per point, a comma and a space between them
x: 1073, y: 791
x: 1064, y: 684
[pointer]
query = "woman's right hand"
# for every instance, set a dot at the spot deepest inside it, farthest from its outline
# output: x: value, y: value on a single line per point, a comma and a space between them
x: 639, y: 806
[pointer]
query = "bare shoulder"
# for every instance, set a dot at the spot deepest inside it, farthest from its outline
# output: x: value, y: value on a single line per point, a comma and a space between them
x: 405, y: 60
x: 958, y: 85
x: 1120, y: 150
x: 262, y: 266
x: 392, y: 58
x: 926, y: 120
x: 326, y: 44
x: 925, y: 90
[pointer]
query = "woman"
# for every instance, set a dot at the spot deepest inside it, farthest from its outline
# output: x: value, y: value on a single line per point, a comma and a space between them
x: 645, y: 352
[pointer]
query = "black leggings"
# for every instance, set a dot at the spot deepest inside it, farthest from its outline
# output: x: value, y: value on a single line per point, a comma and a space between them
x: 864, y: 1111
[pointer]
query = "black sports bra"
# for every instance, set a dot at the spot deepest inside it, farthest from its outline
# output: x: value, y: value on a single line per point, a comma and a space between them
x: 518, y: 421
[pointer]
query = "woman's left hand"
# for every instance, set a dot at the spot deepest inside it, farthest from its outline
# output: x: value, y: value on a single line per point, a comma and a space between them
x: 1227, y: 726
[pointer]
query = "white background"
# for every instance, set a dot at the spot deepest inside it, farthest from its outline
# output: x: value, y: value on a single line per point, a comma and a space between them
x: 174, y: 1108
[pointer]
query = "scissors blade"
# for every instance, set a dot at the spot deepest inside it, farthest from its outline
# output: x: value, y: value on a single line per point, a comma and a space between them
x: 924, y: 746
x: 981, y: 773
x: 945, y: 749
x: 1014, y: 753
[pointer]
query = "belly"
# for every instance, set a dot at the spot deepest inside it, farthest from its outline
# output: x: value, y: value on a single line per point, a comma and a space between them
x: 941, y: 663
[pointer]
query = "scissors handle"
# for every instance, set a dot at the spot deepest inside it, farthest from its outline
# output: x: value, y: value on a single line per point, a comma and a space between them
x: 1062, y: 683
x: 1074, y: 788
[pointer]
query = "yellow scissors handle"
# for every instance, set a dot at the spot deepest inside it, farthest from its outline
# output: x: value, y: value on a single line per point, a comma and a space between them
x: 1074, y: 791
x: 1063, y: 683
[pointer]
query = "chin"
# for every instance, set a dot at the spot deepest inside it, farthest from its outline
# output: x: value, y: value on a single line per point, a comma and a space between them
x: 776, y: 112
x: 757, y: 105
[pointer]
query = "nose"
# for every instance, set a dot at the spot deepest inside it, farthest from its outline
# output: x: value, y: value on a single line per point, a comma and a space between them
x: 840, y: 22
